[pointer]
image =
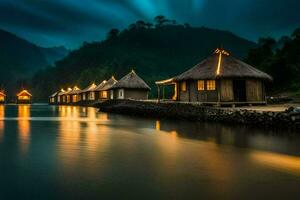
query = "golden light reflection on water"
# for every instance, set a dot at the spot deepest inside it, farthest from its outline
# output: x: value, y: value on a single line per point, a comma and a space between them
x: 24, y: 126
x: 81, y: 134
x: 2, y: 115
x: 284, y: 163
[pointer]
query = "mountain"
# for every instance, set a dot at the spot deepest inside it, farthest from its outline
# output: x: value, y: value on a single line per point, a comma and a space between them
x: 54, y: 54
x: 20, y: 59
x: 154, y: 53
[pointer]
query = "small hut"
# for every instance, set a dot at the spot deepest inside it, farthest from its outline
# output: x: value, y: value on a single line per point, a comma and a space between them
x: 219, y: 79
x: 61, y: 97
x: 103, y: 92
x: 74, y: 95
x: 88, y: 94
x: 67, y: 96
x: 53, y: 98
x: 2, y: 97
x: 130, y: 86
x: 97, y: 90
x: 24, y: 97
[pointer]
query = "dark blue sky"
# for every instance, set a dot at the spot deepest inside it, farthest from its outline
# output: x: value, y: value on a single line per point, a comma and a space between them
x: 70, y: 22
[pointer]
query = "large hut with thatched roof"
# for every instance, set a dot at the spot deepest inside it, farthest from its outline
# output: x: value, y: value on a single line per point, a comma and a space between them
x: 62, y: 96
x: 2, y: 97
x: 103, y: 91
x: 219, y: 79
x: 130, y: 86
x: 88, y: 94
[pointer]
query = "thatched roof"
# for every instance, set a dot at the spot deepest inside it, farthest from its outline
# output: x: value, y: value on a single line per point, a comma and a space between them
x: 2, y: 94
x: 100, y: 86
x: 54, y: 94
x: 108, y: 84
x: 24, y: 93
x: 62, y: 92
x: 75, y: 90
x: 131, y: 81
x: 89, y: 88
x: 221, y: 65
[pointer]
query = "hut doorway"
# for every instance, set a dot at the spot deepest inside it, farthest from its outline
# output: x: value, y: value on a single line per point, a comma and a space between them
x: 239, y: 90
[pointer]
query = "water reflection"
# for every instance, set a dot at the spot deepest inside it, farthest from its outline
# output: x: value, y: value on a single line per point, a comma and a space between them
x: 2, y: 115
x: 82, y: 132
x: 280, y: 162
x: 24, y: 126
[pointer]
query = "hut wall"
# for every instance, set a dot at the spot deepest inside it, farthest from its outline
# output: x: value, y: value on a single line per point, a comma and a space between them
x: 135, y: 94
x: 254, y: 90
x: 226, y: 90
x: 193, y: 91
x: 183, y: 95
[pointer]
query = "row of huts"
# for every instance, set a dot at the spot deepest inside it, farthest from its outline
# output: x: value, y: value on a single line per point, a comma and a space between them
x: 218, y: 79
x: 130, y: 86
x: 23, y: 97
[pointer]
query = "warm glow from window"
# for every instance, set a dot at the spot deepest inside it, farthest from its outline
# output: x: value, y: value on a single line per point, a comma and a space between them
x: 211, y: 85
x: 104, y: 94
x: 201, y: 85
x: 74, y: 98
x: 1, y: 98
x: 183, y: 86
x: 23, y: 97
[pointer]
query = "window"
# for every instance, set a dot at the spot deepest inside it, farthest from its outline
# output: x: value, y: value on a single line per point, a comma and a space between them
x: 23, y: 97
x: 121, y: 94
x: 92, y: 96
x: 201, y: 85
x: 111, y: 94
x: 211, y: 85
x: 83, y: 96
x: 1, y: 98
x: 74, y: 99
x: 104, y: 94
x: 183, y: 86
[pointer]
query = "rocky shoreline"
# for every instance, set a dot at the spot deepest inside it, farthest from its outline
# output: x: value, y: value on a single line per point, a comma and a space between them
x: 197, y: 112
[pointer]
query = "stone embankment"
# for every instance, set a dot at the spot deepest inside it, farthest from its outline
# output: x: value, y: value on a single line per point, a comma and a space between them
x: 196, y: 112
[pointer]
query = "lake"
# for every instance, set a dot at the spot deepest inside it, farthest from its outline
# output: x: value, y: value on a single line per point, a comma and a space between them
x: 65, y: 152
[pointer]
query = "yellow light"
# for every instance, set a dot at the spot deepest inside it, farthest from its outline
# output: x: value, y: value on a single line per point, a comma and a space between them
x: 219, y: 63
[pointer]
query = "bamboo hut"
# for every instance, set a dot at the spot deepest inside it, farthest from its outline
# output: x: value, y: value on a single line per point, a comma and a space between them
x: 74, y: 95
x: 88, y: 94
x: 2, y: 97
x: 219, y: 79
x: 103, y: 91
x: 130, y: 86
x: 97, y: 90
x: 24, y: 97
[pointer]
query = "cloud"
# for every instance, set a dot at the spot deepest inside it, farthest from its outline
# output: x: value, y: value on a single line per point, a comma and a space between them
x: 70, y: 22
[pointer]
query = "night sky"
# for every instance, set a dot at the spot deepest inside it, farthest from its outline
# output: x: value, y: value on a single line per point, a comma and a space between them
x: 70, y: 22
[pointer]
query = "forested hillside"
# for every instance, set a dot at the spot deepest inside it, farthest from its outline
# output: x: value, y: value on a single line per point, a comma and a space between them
x: 155, y: 51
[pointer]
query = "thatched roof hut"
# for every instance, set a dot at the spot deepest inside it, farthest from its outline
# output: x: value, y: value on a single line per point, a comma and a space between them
x: 130, y: 86
x: 24, y: 97
x: 220, y: 78
x: 131, y: 81
x: 89, y: 88
x: 2, y: 97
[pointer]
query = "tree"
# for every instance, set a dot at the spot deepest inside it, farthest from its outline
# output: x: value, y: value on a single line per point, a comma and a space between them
x: 160, y: 21
x: 149, y: 25
x: 113, y: 34
x: 140, y: 24
x: 296, y: 34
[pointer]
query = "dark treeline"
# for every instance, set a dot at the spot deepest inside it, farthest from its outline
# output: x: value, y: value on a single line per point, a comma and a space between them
x: 160, y: 50
x: 155, y: 51
x: 281, y: 59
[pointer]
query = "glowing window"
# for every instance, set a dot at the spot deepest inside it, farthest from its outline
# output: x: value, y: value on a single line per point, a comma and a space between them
x: 183, y: 86
x: 211, y: 85
x: 23, y: 97
x: 201, y: 85
x: 104, y: 94
x: 1, y: 98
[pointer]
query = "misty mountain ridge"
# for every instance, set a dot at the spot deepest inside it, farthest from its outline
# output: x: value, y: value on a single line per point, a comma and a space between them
x: 20, y: 59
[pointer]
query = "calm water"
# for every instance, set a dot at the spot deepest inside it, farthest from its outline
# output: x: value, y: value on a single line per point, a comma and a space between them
x: 49, y: 152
